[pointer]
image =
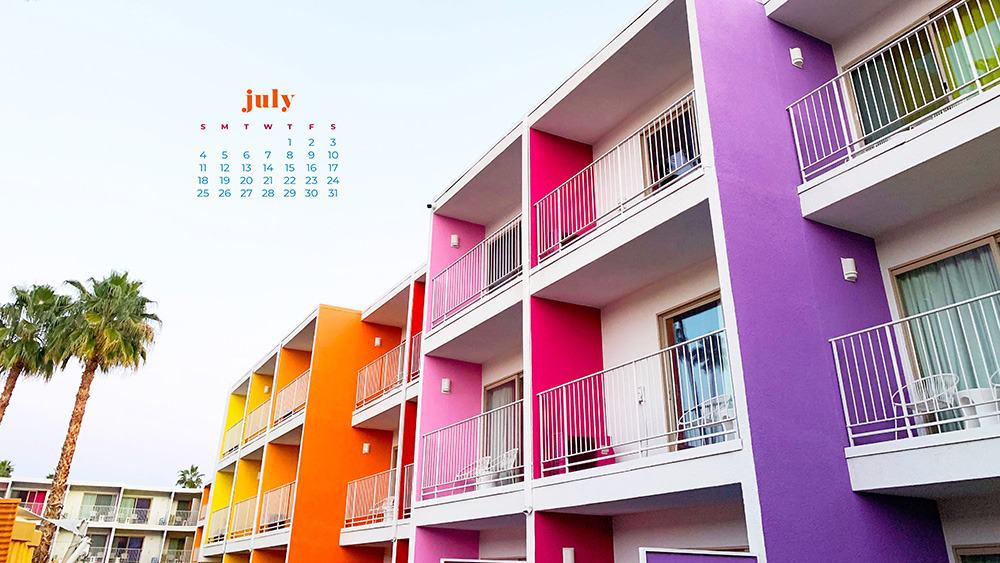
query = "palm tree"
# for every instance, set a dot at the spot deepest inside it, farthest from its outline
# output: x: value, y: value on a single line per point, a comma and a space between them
x: 6, y: 468
x: 24, y: 326
x: 108, y: 327
x: 190, y: 478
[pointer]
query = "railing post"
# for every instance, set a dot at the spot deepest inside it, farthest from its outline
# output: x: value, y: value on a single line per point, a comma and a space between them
x: 565, y: 417
x: 890, y: 337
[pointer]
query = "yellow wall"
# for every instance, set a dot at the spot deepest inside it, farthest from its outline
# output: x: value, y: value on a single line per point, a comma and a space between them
x: 236, y: 409
x: 222, y: 488
x: 246, y: 479
x: 257, y: 396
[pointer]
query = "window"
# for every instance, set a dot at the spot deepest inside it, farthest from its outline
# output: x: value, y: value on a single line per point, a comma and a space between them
x: 981, y: 554
x: 952, y: 337
x: 501, y: 429
x: 699, y: 397
x: 99, y: 507
x: 503, y: 255
x: 670, y: 146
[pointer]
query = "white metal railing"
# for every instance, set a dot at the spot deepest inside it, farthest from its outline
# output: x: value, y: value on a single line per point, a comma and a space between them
x: 415, y: 345
x: 380, y: 376
x: 652, y: 158
x: 176, y: 556
x: 678, y: 398
x: 231, y: 439
x: 134, y: 515
x: 244, y: 514
x: 217, y: 524
x: 98, y: 512
x: 37, y: 507
x: 203, y: 512
x: 407, y: 490
x: 484, y: 268
x: 934, y: 372
x: 183, y: 518
x: 480, y: 452
x: 291, y: 398
x: 371, y: 500
x: 936, y: 65
x: 95, y: 555
x: 125, y: 555
x: 276, y: 511
x: 256, y: 422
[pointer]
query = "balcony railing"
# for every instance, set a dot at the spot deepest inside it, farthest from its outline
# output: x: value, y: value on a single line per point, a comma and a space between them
x: 478, y: 453
x: 203, y: 512
x: 407, y: 491
x: 380, y: 376
x: 257, y: 421
x: 649, y: 160
x: 276, y: 511
x: 98, y: 512
x: 183, y: 518
x: 176, y: 556
x: 126, y: 555
x: 36, y: 507
x: 94, y: 555
x: 487, y: 267
x: 292, y: 398
x: 930, y: 373
x: 244, y: 514
x: 217, y: 524
x: 231, y: 439
x: 133, y: 515
x: 415, y: 344
x: 933, y: 67
x: 678, y: 398
x: 371, y: 500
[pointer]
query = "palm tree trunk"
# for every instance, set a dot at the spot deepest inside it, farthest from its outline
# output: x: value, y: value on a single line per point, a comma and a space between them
x: 8, y: 387
x: 57, y: 496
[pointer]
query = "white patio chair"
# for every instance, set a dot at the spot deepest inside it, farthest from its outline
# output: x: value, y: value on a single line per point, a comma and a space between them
x: 503, y: 467
x: 472, y: 473
x: 928, y: 398
x: 717, y: 410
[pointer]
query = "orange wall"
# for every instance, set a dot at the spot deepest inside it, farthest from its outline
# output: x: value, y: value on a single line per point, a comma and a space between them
x: 258, y: 383
x: 291, y: 364
x: 331, y: 448
x: 268, y: 556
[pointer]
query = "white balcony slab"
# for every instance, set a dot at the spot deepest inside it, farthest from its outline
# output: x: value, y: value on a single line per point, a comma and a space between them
x: 482, y: 329
x: 913, y: 174
x: 470, y: 507
x: 381, y: 534
x: 272, y: 539
x: 949, y: 464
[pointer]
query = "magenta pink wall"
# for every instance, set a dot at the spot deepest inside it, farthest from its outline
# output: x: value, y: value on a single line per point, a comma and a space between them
x: 438, y: 409
x: 591, y: 536
x: 553, y: 160
x: 565, y: 344
x: 430, y: 545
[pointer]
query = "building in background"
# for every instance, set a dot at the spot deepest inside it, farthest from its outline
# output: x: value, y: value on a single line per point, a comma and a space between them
x: 126, y: 524
x: 316, y: 452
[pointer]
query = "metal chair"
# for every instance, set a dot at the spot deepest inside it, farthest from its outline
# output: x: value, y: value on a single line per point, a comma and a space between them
x: 928, y: 397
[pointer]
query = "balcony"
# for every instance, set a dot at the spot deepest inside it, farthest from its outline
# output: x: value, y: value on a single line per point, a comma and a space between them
x: 94, y: 555
x: 231, y: 439
x: 36, y: 507
x: 183, y: 518
x: 134, y: 515
x: 244, y: 513
x: 97, y: 513
x: 407, y: 491
x: 276, y: 511
x: 622, y: 413
x: 176, y: 556
x: 127, y: 555
x: 371, y: 500
x: 256, y: 422
x: 648, y: 162
x: 479, y: 453
x: 905, y: 121
x: 484, y: 269
x: 415, y: 345
x: 929, y: 374
x: 217, y: 526
x: 291, y: 399
x: 380, y: 376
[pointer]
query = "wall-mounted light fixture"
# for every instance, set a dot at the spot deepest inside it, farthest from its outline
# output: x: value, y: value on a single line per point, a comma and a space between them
x: 454, y: 241
x: 797, y: 59
x: 569, y: 555
x: 378, y: 341
x: 267, y: 389
x: 850, y: 269
x: 445, y: 385
x: 365, y: 448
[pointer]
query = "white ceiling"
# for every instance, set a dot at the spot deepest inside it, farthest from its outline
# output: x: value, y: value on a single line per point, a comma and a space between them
x: 656, y: 58
x: 392, y: 311
x: 826, y: 20
x: 490, y: 194
x: 496, y: 337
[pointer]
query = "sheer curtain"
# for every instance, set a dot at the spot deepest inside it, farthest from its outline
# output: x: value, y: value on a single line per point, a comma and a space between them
x: 965, y: 340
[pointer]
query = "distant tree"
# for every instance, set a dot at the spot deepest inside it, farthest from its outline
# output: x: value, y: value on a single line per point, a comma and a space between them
x: 6, y: 468
x: 51, y: 476
x: 190, y: 478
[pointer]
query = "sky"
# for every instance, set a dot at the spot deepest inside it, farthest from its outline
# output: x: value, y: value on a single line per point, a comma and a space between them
x: 100, y: 107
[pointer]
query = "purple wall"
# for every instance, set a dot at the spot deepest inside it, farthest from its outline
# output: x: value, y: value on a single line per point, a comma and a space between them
x: 784, y: 267
x: 432, y: 544
x: 553, y: 160
x: 565, y: 344
x: 695, y: 558
x: 591, y: 536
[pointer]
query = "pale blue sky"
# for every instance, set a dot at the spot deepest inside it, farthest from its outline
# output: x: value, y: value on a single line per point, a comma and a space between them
x: 99, y: 107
